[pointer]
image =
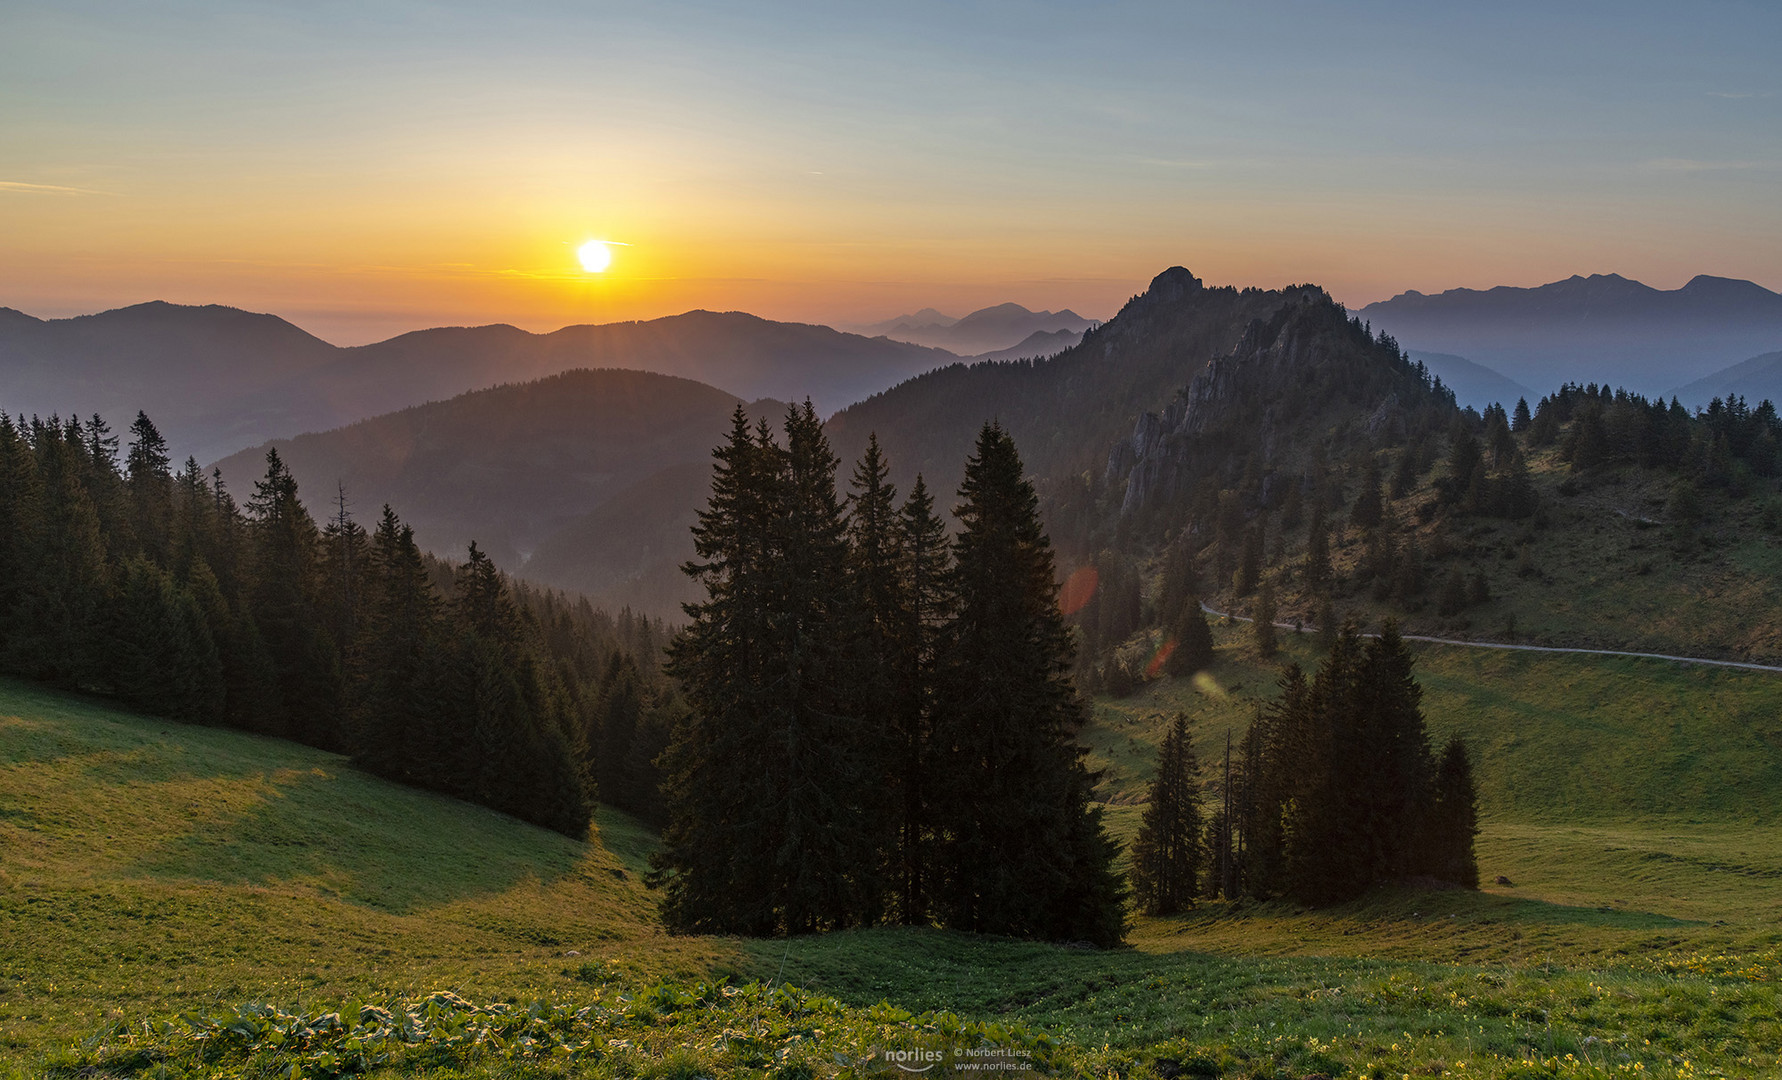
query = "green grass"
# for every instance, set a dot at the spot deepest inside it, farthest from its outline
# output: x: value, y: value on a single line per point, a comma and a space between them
x: 149, y: 869
x: 146, y: 866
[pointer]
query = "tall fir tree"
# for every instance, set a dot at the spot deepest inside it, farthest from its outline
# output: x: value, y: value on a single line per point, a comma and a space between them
x: 305, y: 662
x: 1169, y: 851
x: 769, y: 828
x: 1454, y: 822
x: 1192, y: 642
x: 925, y: 571
x: 401, y: 728
x: 1018, y: 848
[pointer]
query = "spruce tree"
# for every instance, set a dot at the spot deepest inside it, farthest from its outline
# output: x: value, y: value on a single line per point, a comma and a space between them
x: 767, y: 780
x: 1193, y: 641
x: 305, y: 662
x: 925, y: 572
x: 1018, y: 849
x: 150, y: 486
x: 1454, y: 822
x: 1262, y: 623
x: 1168, y: 852
x: 401, y: 729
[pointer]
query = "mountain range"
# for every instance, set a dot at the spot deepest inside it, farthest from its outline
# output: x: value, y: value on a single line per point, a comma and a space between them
x: 1601, y: 328
x: 987, y: 330
x: 215, y: 379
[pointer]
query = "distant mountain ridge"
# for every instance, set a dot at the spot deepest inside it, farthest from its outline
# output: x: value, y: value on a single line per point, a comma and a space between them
x: 1040, y: 343
x: 1756, y: 380
x: 216, y: 379
x: 1591, y: 329
x: 986, y: 330
x: 513, y: 466
x: 1475, y: 384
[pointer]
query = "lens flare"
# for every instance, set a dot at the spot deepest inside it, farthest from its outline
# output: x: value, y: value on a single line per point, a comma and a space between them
x: 1207, y: 685
x: 1078, y: 590
x: 1160, y: 657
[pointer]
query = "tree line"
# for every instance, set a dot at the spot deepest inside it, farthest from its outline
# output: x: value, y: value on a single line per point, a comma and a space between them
x: 881, y: 719
x: 1334, y: 791
x: 156, y: 587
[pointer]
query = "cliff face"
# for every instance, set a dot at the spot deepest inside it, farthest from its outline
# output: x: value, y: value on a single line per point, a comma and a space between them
x: 1291, y: 377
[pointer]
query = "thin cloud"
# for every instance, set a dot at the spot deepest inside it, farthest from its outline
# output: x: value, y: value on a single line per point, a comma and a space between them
x: 1741, y: 95
x: 1687, y: 165
x: 45, y: 189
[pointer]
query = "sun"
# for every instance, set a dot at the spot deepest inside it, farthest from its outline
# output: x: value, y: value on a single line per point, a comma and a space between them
x: 595, y: 256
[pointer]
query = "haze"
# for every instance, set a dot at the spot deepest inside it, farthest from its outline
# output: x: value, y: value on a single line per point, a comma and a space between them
x: 366, y: 169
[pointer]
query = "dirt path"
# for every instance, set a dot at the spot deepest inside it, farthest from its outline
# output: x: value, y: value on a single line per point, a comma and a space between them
x: 1529, y: 648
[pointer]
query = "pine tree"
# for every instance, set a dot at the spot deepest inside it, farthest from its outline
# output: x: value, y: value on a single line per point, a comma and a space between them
x: 1262, y: 623
x: 766, y: 780
x: 924, y: 571
x: 1454, y: 820
x: 1018, y: 849
x: 305, y: 663
x: 150, y: 485
x: 1520, y: 420
x: 1168, y: 852
x: 1193, y: 641
x: 400, y: 729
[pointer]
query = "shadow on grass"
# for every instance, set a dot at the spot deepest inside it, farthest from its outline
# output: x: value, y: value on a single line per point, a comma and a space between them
x: 1282, y: 945
x: 359, y: 839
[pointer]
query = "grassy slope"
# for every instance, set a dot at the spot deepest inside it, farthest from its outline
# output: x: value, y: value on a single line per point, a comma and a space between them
x: 1633, y: 805
x: 147, y: 866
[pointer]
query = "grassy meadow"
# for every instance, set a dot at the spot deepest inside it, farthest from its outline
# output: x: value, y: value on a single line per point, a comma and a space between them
x: 150, y: 870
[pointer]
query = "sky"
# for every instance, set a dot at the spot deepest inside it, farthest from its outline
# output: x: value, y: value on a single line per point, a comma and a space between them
x: 371, y: 167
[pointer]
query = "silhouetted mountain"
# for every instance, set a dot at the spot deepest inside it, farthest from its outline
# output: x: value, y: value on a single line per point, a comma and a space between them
x: 1474, y: 384
x: 1064, y: 412
x: 216, y: 379
x: 1037, y: 344
x: 509, y: 466
x: 177, y: 363
x: 1756, y: 380
x: 1595, y: 329
x: 985, y: 330
x: 921, y: 320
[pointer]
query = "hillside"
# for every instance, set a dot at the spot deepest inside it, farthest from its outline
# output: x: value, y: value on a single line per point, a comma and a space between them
x: 1757, y: 379
x: 147, y: 867
x: 1588, y: 329
x: 510, y: 466
x: 1610, y: 559
x: 216, y: 379
x: 1064, y: 412
x: 150, y: 869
